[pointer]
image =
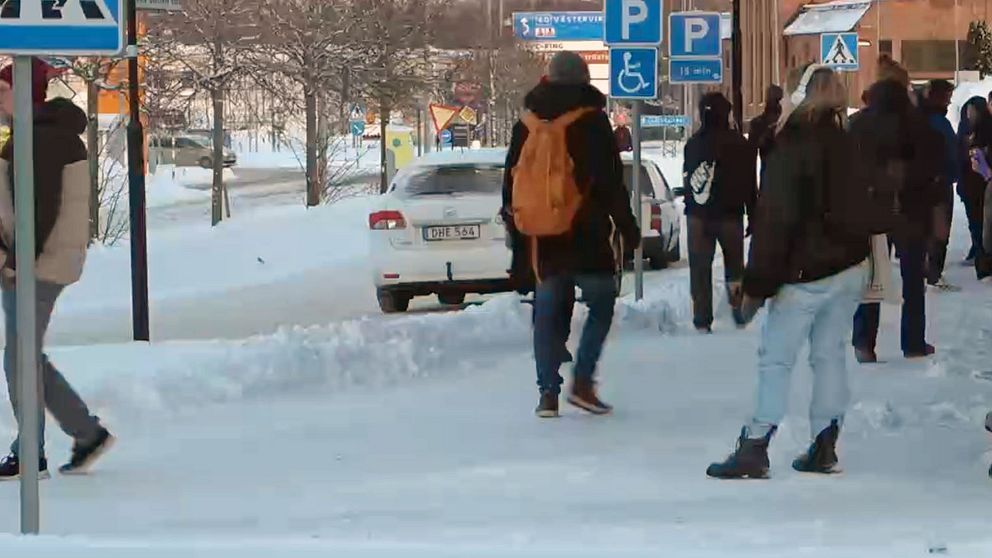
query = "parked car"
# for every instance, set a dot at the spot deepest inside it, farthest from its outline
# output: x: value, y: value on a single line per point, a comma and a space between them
x: 187, y: 151
x: 437, y: 230
x: 662, y: 225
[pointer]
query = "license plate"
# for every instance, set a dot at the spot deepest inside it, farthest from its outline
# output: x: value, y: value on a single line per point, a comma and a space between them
x: 459, y: 232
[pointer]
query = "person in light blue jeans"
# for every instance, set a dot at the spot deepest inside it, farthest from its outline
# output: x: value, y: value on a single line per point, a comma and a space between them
x: 809, y: 253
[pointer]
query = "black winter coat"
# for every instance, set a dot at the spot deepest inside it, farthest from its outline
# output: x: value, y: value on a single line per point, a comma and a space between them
x: 790, y: 242
x: 731, y: 160
x: 589, y: 248
x: 891, y: 130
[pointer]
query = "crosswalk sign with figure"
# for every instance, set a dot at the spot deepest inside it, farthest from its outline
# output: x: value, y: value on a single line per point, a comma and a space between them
x: 62, y: 27
x: 839, y: 51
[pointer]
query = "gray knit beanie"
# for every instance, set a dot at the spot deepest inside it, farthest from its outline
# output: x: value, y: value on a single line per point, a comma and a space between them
x: 568, y: 68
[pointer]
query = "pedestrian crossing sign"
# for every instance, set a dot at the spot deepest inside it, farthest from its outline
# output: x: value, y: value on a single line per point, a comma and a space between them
x: 62, y: 27
x: 839, y: 51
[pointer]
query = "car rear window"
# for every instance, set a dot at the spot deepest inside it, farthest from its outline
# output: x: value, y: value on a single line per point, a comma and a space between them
x: 449, y: 180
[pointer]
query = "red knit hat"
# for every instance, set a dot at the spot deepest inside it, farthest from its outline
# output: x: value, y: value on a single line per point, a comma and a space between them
x: 39, y: 79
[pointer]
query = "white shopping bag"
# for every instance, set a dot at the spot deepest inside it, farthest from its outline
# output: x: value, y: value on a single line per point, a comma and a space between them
x: 881, y: 287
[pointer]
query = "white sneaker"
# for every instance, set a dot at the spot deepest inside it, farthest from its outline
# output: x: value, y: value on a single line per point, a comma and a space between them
x: 943, y: 285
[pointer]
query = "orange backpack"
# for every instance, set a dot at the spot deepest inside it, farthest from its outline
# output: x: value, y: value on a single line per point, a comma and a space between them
x: 545, y: 195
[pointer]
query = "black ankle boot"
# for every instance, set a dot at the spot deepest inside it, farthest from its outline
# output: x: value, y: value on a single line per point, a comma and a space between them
x: 749, y: 460
x: 822, y: 454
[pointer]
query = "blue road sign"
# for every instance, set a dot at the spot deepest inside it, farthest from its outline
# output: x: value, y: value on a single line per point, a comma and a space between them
x: 664, y: 121
x: 62, y: 27
x: 558, y: 26
x: 694, y: 34
x: 358, y: 128
x: 702, y: 70
x: 634, y: 22
x: 634, y: 73
x: 839, y: 51
x: 446, y: 137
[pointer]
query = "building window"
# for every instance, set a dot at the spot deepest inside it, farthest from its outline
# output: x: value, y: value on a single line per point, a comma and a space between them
x: 885, y: 46
x: 935, y: 56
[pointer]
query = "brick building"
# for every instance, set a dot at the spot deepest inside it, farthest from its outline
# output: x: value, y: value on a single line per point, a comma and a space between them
x: 919, y: 33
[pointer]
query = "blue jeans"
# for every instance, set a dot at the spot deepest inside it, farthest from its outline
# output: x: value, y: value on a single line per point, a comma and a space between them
x: 54, y: 391
x: 553, y: 300
x: 820, y: 312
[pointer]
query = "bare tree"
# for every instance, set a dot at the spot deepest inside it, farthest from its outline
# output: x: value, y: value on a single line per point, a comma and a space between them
x: 209, y: 40
x: 306, y: 41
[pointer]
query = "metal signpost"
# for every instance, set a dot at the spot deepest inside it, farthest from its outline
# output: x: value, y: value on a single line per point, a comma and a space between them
x: 633, y: 29
x: 26, y: 28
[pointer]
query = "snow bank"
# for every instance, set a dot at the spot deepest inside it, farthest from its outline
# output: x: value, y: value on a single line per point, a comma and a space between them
x: 683, y: 547
x: 171, y: 185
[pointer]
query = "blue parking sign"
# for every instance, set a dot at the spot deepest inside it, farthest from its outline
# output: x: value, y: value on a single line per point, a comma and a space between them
x: 634, y: 73
x: 694, y: 34
x: 634, y: 22
x: 703, y: 70
x: 62, y: 27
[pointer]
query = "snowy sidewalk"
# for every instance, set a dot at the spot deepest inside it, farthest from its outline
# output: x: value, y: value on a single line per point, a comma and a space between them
x: 416, y: 437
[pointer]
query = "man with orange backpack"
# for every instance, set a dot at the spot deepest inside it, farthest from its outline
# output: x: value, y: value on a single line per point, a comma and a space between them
x: 564, y: 203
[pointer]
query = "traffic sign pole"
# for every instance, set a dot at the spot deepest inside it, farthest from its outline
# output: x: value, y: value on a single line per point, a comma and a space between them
x: 136, y: 185
x: 637, y: 196
x: 27, y: 350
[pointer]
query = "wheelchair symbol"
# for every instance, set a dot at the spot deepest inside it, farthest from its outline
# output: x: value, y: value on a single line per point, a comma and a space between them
x: 631, y: 74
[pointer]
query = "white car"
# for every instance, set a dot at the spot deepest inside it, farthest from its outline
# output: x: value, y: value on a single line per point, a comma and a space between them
x: 437, y: 231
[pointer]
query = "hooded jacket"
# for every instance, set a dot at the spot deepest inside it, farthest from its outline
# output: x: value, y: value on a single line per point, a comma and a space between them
x: 791, y: 242
x: 719, y: 169
x: 589, y: 248
x: 62, y: 196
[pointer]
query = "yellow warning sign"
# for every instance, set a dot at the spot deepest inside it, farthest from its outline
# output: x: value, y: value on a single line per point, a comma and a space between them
x: 469, y: 115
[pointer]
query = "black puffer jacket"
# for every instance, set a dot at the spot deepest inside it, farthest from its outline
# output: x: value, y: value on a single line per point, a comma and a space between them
x: 598, y: 171
x: 791, y: 243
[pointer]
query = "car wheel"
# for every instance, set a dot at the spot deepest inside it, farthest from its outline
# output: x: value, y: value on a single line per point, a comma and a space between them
x: 452, y: 299
x: 206, y: 163
x: 392, y: 302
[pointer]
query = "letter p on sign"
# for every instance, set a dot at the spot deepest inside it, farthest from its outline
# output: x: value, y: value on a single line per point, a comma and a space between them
x: 634, y: 12
x: 695, y: 28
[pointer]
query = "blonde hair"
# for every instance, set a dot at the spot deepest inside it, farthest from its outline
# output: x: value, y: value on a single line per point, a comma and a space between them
x: 820, y: 92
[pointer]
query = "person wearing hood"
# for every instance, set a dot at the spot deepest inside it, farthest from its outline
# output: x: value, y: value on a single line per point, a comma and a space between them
x: 61, y: 239
x: 720, y: 187
x: 904, y: 156
x: 586, y: 255
x: 761, y: 132
x: 975, y: 141
x: 811, y: 264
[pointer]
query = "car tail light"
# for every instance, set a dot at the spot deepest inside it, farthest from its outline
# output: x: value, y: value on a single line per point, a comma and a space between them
x: 386, y: 221
x: 656, y: 218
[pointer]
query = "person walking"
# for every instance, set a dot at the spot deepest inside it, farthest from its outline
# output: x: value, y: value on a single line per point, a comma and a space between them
x: 720, y: 187
x: 808, y: 257
x: 936, y: 100
x: 564, y: 200
x: 903, y: 155
x: 62, y: 235
x: 974, y: 137
x: 624, y: 139
x: 761, y: 131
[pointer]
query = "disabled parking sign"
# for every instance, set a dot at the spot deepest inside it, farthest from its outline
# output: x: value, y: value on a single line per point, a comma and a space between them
x: 634, y: 73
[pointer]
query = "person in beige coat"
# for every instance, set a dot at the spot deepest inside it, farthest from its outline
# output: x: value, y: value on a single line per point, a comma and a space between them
x: 62, y: 236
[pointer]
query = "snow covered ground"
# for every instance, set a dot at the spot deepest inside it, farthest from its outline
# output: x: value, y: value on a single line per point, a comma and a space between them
x: 414, y: 436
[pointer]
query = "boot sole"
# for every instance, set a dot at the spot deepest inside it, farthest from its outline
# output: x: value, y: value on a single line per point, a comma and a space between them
x: 835, y: 470
x: 43, y: 475
x: 85, y: 467
x: 762, y: 476
x: 547, y: 414
x: 588, y: 407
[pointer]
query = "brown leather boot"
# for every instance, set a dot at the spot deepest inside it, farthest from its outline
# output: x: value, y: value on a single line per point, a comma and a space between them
x: 583, y: 396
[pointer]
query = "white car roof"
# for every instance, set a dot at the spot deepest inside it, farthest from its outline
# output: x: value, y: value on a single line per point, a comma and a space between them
x: 458, y: 156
